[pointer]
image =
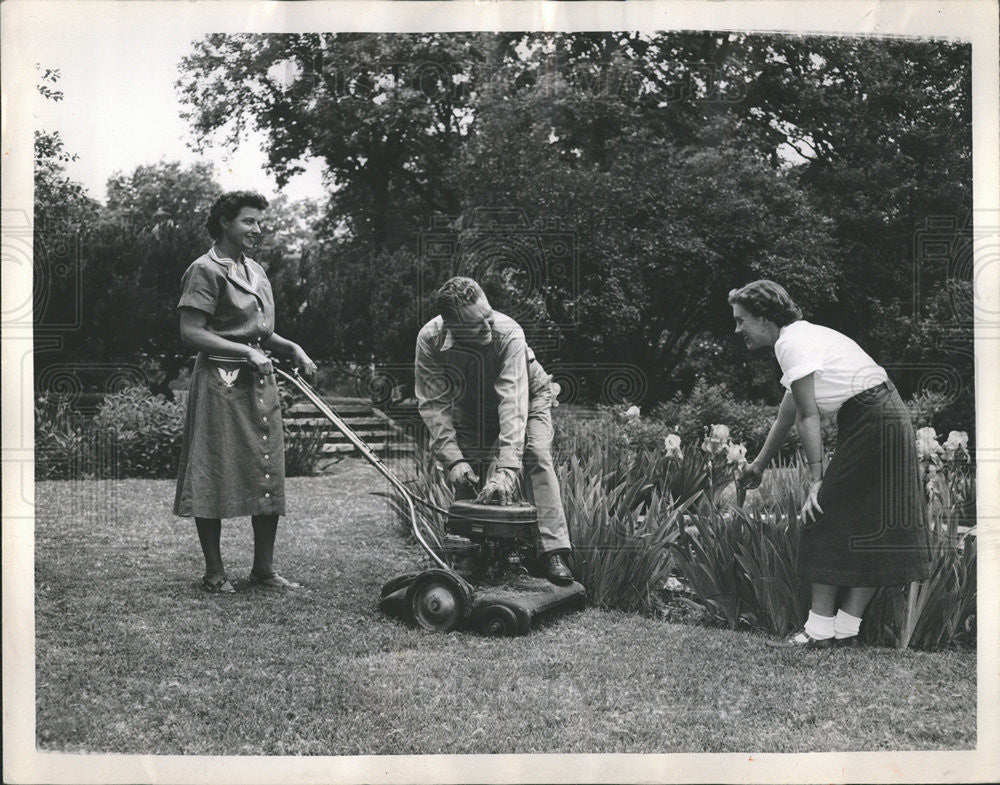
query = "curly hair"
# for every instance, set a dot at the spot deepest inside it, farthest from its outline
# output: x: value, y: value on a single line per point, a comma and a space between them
x: 228, y: 206
x: 453, y: 293
x: 768, y: 300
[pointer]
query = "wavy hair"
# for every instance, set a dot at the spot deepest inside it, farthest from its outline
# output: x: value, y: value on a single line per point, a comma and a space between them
x: 228, y: 206
x: 454, y: 293
x: 767, y: 299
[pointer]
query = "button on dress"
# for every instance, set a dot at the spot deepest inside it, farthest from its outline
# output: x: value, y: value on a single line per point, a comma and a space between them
x: 232, y: 455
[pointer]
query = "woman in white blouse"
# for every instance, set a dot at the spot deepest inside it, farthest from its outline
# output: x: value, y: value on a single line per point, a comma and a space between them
x: 863, y: 520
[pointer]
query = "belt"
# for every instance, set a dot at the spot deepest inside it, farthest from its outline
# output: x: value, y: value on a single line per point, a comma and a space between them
x: 223, y: 358
x: 866, y: 395
x: 864, y: 398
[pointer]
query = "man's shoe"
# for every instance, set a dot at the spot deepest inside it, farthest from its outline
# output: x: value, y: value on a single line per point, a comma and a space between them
x: 557, y: 571
x: 801, y: 640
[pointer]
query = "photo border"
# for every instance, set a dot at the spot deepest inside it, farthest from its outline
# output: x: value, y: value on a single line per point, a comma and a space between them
x: 24, y: 22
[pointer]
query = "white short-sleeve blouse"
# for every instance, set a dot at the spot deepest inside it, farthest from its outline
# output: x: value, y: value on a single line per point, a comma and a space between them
x: 842, y: 368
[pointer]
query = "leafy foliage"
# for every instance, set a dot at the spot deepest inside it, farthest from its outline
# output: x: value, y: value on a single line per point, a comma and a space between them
x: 303, y: 446
x: 619, y: 550
x: 60, y: 440
x: 713, y: 157
x: 742, y: 568
x: 146, y: 432
x: 135, y: 433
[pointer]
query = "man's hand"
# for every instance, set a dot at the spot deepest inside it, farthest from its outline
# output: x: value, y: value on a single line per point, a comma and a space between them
x: 461, y: 474
x: 502, y: 484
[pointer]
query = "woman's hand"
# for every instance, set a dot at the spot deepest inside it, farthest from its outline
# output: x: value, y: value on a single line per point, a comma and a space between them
x: 261, y: 362
x: 751, y: 476
x: 302, y: 361
x: 811, y: 509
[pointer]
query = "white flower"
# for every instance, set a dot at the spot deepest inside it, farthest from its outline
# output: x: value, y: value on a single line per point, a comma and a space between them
x: 632, y: 412
x: 672, y: 446
x: 716, y: 440
x: 720, y: 432
x: 927, y: 445
x: 736, y: 454
x: 673, y: 584
x: 956, y: 445
x: 957, y: 440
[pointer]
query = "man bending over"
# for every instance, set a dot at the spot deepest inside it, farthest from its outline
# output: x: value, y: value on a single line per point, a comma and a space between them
x: 486, y: 400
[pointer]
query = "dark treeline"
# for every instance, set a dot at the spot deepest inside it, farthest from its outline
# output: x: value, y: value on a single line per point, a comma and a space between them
x: 608, y: 188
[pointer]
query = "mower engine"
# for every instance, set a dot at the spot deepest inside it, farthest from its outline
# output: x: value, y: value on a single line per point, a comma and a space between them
x: 486, y: 542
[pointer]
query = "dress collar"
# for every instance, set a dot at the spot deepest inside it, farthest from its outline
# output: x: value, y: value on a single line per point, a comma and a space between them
x: 231, y: 266
x: 448, y: 340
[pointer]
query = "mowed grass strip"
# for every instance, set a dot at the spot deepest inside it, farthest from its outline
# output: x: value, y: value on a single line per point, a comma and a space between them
x: 132, y: 656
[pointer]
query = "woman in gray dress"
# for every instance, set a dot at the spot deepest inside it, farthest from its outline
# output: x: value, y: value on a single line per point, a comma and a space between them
x: 232, y: 457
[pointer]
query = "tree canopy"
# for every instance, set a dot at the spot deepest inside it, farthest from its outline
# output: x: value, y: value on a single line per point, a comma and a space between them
x: 609, y: 188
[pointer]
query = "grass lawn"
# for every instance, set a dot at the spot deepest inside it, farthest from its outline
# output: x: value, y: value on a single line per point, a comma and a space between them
x: 134, y: 657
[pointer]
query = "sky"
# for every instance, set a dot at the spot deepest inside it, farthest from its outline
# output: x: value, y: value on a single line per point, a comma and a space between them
x: 121, y: 109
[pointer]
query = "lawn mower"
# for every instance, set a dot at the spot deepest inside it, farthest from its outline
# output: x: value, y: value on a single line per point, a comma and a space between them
x: 480, y: 579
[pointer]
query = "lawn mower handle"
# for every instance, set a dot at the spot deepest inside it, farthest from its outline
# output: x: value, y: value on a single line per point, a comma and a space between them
x: 366, y: 451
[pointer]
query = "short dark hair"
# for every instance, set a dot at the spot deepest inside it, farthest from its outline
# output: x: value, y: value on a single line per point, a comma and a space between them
x: 228, y: 206
x: 767, y: 299
x: 456, y: 292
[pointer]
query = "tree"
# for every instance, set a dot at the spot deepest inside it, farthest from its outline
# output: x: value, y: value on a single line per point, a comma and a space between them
x: 686, y: 163
x: 380, y: 111
x: 62, y: 211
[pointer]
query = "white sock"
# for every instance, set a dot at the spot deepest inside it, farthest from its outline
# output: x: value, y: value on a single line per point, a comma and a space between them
x: 845, y: 625
x: 819, y: 627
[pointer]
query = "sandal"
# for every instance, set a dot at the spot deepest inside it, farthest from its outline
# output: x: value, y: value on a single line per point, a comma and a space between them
x: 221, y: 586
x: 272, y: 581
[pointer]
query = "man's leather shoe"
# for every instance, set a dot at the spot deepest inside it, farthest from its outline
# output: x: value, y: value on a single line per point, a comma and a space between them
x: 802, y: 640
x: 557, y: 571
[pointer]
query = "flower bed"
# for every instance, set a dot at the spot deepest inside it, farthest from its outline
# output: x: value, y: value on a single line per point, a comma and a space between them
x: 654, y: 527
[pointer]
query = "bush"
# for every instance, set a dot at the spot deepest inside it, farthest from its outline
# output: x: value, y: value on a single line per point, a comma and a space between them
x: 620, y: 551
x: 933, y: 613
x: 135, y: 434
x: 706, y: 404
x: 61, y: 440
x: 143, y: 430
x: 740, y: 568
x: 926, y: 406
x: 303, y: 450
x: 426, y: 480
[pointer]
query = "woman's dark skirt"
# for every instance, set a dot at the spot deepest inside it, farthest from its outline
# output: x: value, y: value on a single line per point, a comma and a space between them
x: 873, y: 529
